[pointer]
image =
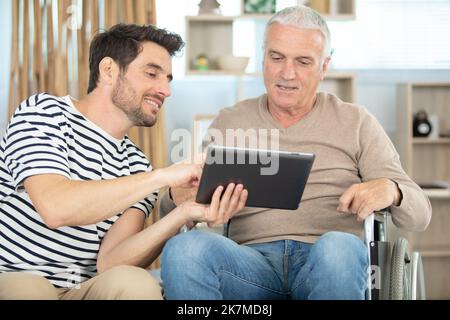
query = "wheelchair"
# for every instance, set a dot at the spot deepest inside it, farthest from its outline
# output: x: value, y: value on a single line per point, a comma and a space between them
x: 394, y: 273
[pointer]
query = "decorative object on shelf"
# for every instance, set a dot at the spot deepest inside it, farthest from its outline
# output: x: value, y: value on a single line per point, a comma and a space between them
x: 259, y: 6
x: 201, y: 62
x: 232, y: 63
x: 434, y: 121
x: 333, y: 7
x: 321, y: 6
x: 209, y: 7
x: 421, y: 124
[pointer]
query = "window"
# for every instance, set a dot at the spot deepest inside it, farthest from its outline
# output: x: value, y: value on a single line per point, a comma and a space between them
x: 394, y: 34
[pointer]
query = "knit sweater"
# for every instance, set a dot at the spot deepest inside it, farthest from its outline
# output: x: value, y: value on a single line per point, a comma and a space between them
x: 350, y: 147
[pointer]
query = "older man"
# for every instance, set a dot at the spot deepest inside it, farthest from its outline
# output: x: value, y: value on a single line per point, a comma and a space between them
x: 313, y: 252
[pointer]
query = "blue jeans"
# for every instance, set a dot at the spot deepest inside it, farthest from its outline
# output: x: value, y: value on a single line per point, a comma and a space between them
x: 203, y: 265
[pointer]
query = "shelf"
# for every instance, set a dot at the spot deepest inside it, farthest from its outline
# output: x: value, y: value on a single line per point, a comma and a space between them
x: 430, y: 85
x: 341, y: 84
x: 255, y: 16
x: 434, y: 253
x: 327, y: 17
x: 431, y: 140
x: 211, y: 35
x: 339, y: 17
x: 427, y: 160
x: 424, y: 159
x: 211, y: 17
x: 217, y: 72
x: 437, y: 193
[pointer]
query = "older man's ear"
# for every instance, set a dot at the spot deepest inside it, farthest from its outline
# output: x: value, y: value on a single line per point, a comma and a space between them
x: 324, y: 67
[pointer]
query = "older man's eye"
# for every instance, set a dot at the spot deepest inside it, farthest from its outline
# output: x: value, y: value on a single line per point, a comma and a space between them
x: 151, y: 74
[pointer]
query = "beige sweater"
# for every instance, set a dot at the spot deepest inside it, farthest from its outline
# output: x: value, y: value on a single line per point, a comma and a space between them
x: 350, y: 147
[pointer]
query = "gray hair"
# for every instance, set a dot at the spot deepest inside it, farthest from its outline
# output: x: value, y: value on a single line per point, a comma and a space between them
x: 302, y: 17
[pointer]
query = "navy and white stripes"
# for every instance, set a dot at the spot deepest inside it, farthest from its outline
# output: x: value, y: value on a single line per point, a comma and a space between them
x: 47, y: 135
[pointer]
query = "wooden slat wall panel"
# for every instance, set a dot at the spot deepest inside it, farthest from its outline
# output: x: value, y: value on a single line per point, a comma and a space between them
x: 23, y: 77
x: 39, y: 71
x: 94, y: 18
x: 61, y: 84
x: 107, y: 14
x: 13, y: 82
x: 140, y: 11
x: 82, y: 51
x: 50, y: 84
x: 43, y: 64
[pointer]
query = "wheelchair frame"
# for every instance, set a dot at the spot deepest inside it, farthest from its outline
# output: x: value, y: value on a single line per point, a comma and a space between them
x: 393, y: 272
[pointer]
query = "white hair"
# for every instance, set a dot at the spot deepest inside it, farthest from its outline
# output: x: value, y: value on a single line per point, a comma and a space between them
x: 302, y: 17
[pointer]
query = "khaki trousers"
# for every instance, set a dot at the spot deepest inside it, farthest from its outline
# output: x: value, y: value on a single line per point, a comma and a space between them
x: 122, y: 282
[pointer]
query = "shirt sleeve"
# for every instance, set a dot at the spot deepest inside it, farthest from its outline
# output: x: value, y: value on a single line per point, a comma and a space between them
x: 147, y: 205
x: 166, y: 204
x: 139, y: 163
x: 36, y: 144
x: 379, y: 159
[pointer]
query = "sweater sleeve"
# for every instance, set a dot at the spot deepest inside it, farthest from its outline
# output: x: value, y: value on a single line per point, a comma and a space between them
x: 378, y: 158
x: 166, y: 204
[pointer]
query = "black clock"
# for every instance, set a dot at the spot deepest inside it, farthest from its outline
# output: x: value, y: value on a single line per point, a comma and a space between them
x: 421, y: 125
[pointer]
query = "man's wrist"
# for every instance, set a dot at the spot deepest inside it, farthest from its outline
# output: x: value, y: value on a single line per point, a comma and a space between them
x: 158, y: 177
x: 398, y: 195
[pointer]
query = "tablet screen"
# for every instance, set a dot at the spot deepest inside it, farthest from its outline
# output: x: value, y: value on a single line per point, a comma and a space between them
x: 274, y: 179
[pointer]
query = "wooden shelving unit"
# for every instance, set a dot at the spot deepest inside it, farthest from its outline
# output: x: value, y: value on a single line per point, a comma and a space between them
x: 334, y: 9
x: 342, y: 84
x: 329, y: 9
x: 431, y: 141
x: 212, y: 34
x: 427, y: 160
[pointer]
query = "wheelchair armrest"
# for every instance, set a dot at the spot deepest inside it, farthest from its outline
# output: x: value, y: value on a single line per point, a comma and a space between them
x: 375, y: 226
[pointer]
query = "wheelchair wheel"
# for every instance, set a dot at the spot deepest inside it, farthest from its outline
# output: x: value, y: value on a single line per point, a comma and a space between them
x: 400, y: 263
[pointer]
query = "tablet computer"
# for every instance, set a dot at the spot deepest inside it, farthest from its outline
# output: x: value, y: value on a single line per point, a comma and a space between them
x: 274, y: 179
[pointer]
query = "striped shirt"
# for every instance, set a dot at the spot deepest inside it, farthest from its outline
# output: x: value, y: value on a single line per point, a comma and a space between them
x: 48, y: 135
